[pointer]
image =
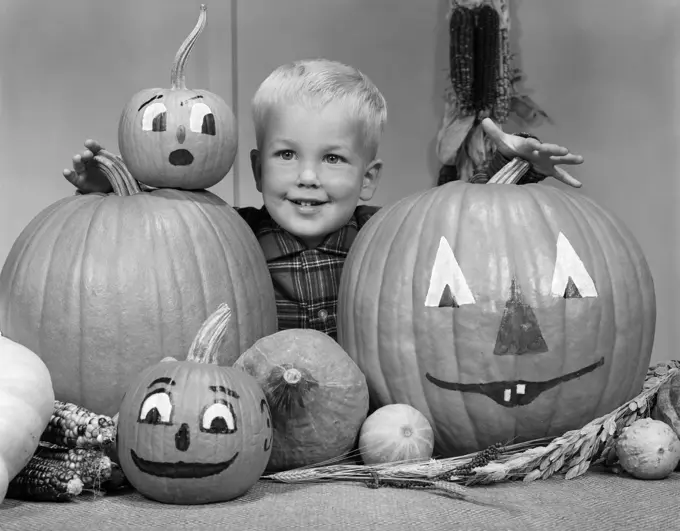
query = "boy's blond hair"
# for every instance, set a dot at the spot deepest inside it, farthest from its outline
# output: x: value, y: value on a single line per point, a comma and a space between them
x: 315, y: 83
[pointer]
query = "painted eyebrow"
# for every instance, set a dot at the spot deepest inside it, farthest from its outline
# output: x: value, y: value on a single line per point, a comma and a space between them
x: 162, y: 380
x: 156, y: 97
x: 222, y: 389
x: 196, y: 97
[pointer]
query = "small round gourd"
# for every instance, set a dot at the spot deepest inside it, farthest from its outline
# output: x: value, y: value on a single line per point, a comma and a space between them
x: 192, y: 432
x: 26, y: 405
x: 648, y: 449
x: 396, y: 432
x: 178, y: 137
x: 318, y: 396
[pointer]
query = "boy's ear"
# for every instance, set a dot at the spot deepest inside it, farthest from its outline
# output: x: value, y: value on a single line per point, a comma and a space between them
x: 256, y: 165
x: 371, y: 178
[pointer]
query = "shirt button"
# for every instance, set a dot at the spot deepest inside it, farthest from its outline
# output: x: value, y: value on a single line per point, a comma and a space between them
x: 323, y: 315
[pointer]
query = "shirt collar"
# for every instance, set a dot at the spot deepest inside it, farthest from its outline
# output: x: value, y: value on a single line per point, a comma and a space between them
x: 277, y: 242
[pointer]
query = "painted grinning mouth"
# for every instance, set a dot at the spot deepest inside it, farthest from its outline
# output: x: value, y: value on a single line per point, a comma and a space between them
x: 180, y: 469
x: 513, y: 393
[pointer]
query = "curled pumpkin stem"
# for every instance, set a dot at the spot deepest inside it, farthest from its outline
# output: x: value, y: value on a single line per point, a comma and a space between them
x: 122, y: 182
x: 177, y: 76
x: 206, y: 344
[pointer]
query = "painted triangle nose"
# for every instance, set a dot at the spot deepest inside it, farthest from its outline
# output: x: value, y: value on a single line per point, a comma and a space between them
x: 519, y: 332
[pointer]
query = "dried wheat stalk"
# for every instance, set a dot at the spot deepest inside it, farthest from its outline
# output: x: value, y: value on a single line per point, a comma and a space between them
x: 570, y: 454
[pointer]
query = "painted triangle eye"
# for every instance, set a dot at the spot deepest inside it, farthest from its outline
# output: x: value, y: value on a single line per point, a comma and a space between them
x: 448, y: 287
x: 571, y: 279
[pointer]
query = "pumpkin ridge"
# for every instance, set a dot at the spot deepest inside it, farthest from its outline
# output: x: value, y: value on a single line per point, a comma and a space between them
x: 464, y: 196
x: 84, y: 252
x: 45, y: 274
x: 608, y: 221
x: 253, y: 290
x: 578, y: 222
x: 536, y: 195
x: 194, y: 256
x: 633, y: 248
x: 565, y: 202
x: 596, y: 226
x: 388, y: 254
x: 8, y: 276
x: 437, y: 199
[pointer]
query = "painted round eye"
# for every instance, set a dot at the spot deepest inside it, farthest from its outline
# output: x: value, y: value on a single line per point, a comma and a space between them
x: 202, y: 119
x: 155, y: 117
x: 218, y: 418
x: 156, y: 408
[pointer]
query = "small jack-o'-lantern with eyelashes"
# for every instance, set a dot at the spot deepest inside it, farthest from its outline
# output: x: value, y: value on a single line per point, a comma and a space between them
x: 192, y: 432
x: 178, y: 137
x: 501, y: 312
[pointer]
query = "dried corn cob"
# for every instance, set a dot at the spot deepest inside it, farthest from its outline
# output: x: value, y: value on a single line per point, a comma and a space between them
x: 486, y: 59
x: 505, y: 82
x: 91, y: 466
x: 461, y: 57
x: 76, y: 427
x: 41, y: 480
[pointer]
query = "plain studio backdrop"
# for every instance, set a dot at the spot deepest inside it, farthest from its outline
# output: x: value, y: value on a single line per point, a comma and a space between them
x: 606, y: 71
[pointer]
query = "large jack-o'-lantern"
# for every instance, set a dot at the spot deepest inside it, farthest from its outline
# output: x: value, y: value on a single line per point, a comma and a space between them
x: 501, y: 312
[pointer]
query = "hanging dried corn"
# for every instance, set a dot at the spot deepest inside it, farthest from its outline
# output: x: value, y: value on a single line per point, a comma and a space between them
x: 482, y: 85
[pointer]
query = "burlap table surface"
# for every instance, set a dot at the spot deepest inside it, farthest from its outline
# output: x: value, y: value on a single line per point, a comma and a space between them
x: 598, y: 500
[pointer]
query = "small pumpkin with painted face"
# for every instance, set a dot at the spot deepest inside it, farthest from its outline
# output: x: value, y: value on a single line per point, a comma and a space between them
x: 192, y: 432
x: 178, y: 137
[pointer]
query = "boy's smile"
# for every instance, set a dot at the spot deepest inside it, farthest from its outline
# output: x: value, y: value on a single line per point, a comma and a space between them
x: 313, y: 169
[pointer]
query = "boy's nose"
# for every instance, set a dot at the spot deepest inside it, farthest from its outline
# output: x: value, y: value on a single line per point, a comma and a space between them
x: 308, y: 177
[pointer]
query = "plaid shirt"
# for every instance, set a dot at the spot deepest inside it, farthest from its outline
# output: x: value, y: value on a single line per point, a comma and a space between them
x: 305, y: 280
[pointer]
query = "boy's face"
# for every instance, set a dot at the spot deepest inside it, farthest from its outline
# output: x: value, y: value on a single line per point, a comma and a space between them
x: 313, y: 169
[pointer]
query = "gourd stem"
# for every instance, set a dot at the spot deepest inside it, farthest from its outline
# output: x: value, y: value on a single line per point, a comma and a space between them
x: 292, y: 376
x: 177, y: 74
x: 286, y: 388
x: 122, y: 182
x: 511, y: 173
x: 206, y: 344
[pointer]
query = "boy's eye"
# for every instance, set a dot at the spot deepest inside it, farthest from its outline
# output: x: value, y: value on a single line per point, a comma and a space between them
x: 286, y: 154
x: 333, y: 159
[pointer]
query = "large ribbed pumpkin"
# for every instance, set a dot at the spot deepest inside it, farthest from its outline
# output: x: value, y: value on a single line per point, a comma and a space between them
x: 101, y: 286
x: 501, y: 312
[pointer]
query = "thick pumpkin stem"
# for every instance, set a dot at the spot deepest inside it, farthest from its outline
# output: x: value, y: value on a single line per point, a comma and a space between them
x: 177, y: 75
x: 286, y: 388
x: 206, y: 344
x: 122, y: 182
x: 511, y: 173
